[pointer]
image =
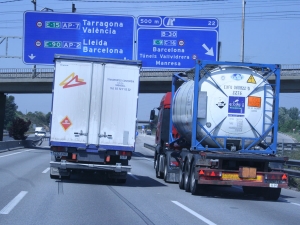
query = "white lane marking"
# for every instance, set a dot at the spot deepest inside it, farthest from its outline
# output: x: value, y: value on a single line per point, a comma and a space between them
x: 133, y: 176
x: 207, y: 221
x: 46, y: 170
x: 13, y: 203
x: 295, y: 203
x: 15, y: 153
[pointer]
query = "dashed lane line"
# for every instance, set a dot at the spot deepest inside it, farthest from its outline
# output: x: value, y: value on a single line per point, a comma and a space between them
x: 207, y: 221
x: 295, y: 203
x: 13, y: 203
x: 16, y: 153
x: 46, y: 170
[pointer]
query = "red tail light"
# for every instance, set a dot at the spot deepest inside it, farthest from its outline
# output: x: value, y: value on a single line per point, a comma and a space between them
x: 210, y: 173
x: 284, y: 177
x: 272, y: 176
x: 125, y: 153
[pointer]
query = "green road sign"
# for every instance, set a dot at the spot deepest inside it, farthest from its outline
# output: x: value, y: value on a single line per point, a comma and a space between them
x: 52, y: 44
x: 52, y: 24
x: 158, y: 42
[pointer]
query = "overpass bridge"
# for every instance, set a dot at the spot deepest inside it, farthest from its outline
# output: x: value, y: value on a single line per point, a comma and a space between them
x: 40, y: 80
x: 27, y: 80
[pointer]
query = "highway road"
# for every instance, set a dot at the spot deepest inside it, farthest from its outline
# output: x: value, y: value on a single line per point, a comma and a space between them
x: 29, y: 196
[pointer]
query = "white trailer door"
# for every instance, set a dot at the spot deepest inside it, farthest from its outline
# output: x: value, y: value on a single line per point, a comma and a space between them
x: 71, y: 102
x: 119, y: 106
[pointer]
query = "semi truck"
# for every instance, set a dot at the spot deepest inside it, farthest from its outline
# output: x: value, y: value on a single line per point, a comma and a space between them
x: 94, y: 115
x: 220, y: 128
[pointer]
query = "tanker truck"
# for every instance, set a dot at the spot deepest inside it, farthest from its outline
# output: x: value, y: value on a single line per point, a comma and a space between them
x: 220, y: 128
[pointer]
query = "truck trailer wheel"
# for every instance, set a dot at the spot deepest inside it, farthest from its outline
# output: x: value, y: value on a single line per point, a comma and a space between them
x: 165, y: 171
x: 195, y: 187
x: 271, y: 194
x: 54, y: 176
x: 158, y: 173
x: 181, y: 179
x: 121, y: 181
x: 186, y: 181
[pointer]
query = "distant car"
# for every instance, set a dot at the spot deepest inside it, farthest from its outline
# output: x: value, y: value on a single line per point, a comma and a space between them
x: 40, y: 134
x: 148, y: 132
x: 5, y: 132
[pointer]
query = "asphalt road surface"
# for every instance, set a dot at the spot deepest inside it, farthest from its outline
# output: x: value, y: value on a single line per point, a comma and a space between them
x: 29, y: 196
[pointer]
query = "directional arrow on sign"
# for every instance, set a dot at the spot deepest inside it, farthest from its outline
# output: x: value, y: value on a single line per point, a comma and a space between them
x: 209, y: 51
x: 31, y: 56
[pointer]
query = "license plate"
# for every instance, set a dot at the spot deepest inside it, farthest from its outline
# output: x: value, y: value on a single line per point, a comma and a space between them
x: 123, y: 157
x: 273, y: 185
x: 60, y: 154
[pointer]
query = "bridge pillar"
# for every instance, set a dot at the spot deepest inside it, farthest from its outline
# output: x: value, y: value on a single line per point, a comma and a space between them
x: 2, y: 113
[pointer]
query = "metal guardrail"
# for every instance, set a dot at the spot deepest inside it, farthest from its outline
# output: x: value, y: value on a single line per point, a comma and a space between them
x: 288, y: 145
x: 293, y: 163
x: 289, y: 163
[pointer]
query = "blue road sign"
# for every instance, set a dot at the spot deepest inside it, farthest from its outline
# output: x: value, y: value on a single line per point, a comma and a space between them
x: 48, y: 33
x: 175, y: 42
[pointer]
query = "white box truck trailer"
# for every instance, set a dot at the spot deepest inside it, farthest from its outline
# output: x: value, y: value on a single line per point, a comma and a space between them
x: 94, y: 115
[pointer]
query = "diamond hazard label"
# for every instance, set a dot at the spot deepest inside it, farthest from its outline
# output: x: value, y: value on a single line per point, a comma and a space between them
x: 66, y: 123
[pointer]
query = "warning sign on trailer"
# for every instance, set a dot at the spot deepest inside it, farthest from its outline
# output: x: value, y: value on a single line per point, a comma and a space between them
x: 66, y: 123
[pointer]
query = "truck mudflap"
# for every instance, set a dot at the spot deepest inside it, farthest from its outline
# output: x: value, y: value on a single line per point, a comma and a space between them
x: 118, y: 167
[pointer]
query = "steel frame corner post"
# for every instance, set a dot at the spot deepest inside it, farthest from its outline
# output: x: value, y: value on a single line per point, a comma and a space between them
x: 174, y: 79
x: 277, y: 71
x: 195, y: 106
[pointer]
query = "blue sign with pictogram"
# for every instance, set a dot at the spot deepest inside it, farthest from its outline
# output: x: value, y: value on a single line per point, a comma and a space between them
x: 105, y: 36
x: 175, y: 42
x: 236, y: 105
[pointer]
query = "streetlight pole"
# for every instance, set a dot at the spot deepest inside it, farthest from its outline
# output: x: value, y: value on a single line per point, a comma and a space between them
x: 243, y: 30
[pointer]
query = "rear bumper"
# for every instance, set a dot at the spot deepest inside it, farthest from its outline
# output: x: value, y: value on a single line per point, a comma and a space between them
x: 84, y: 166
x: 238, y: 183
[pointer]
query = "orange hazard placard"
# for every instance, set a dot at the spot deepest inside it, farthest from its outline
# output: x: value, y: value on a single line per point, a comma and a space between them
x: 66, y: 123
x: 254, y: 101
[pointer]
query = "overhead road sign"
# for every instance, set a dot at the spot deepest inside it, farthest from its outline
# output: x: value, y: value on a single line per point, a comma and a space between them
x: 48, y: 33
x: 175, y: 42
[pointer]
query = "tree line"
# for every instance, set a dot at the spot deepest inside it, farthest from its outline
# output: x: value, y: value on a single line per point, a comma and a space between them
x: 17, y: 123
x: 289, y: 120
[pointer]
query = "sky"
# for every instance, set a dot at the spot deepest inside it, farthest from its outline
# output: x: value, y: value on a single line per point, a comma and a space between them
x: 271, y: 34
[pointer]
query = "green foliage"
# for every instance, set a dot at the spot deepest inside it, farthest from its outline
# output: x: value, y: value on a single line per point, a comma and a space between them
x: 289, y: 119
x: 10, y: 111
x: 38, y: 118
x: 18, y: 128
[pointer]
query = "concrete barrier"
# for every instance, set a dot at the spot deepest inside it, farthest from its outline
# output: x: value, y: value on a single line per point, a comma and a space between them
x: 12, y: 145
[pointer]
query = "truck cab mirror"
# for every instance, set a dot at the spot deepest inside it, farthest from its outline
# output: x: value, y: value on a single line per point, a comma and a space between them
x: 152, y: 114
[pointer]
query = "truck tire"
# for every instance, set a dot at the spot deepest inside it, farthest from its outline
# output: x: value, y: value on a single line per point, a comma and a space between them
x: 54, y: 176
x: 186, y: 181
x: 250, y: 190
x: 194, y: 186
x: 271, y: 194
x: 121, y: 181
x: 158, y: 173
x: 165, y: 171
x: 181, y: 178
